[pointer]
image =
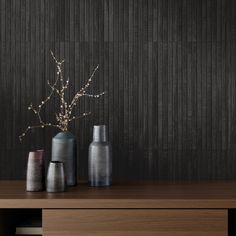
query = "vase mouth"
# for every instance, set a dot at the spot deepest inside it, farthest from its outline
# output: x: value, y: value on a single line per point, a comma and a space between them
x: 100, y: 133
x: 64, y: 134
x: 36, y: 151
x: 40, y: 150
x: 56, y: 162
x: 99, y: 126
x: 36, y: 155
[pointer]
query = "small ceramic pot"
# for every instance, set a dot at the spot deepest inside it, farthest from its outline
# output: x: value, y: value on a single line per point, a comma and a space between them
x: 35, y: 177
x: 56, y: 179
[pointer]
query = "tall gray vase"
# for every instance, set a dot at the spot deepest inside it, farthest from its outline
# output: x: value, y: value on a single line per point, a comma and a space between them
x: 64, y: 149
x: 100, y: 158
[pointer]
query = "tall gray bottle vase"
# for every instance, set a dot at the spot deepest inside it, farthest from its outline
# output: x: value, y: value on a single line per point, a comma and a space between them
x: 64, y: 149
x: 35, y: 176
x: 100, y: 158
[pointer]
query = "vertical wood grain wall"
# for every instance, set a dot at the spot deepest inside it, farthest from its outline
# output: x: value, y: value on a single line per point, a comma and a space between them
x: 168, y: 67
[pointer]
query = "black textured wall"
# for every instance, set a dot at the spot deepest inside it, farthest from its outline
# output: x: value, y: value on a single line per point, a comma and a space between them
x: 169, y: 69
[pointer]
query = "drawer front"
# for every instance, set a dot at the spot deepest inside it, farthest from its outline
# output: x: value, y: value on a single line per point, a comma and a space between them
x: 135, y: 222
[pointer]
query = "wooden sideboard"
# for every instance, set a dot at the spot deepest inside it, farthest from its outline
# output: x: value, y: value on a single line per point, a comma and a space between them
x: 144, y: 209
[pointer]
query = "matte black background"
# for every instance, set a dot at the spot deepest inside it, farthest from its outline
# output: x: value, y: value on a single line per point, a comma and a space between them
x: 168, y: 67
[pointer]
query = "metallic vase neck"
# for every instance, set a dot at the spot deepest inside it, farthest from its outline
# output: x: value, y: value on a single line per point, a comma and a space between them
x: 100, y: 133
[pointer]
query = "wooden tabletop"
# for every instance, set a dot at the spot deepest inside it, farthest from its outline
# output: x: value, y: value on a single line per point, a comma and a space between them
x: 220, y: 195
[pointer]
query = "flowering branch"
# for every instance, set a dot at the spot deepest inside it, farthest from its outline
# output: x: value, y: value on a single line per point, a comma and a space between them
x: 64, y: 117
x: 82, y: 91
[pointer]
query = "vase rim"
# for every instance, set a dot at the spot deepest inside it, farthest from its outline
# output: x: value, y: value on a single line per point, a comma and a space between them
x: 35, y: 155
x: 56, y: 162
x: 64, y: 134
x: 40, y: 150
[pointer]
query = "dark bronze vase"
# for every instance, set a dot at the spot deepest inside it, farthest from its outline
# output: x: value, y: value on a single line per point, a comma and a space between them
x: 35, y: 176
x: 64, y: 149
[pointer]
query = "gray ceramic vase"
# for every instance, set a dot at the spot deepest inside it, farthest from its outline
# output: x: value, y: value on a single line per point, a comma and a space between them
x: 100, y: 158
x: 35, y: 176
x: 56, y: 179
x: 64, y: 149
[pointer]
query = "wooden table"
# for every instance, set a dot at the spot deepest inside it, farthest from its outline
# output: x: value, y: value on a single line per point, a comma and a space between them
x: 162, y: 209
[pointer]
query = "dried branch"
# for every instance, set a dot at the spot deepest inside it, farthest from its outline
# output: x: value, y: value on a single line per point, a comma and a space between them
x: 64, y: 117
x: 94, y: 95
x: 81, y: 116
x: 43, y: 125
x: 82, y: 91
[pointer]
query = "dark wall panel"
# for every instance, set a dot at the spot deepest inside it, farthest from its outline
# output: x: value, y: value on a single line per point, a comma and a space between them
x: 168, y: 67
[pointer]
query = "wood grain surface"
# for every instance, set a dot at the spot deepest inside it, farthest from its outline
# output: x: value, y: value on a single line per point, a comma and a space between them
x: 128, y: 222
x: 214, y: 195
x: 168, y: 67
